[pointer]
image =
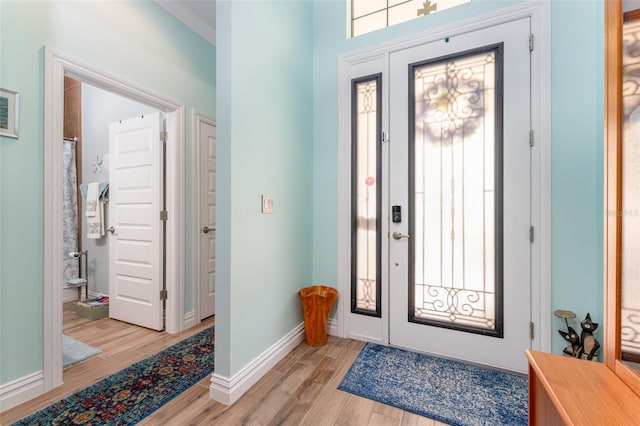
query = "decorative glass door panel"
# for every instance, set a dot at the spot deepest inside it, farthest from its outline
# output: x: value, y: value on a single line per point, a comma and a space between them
x: 366, y: 189
x: 455, y: 152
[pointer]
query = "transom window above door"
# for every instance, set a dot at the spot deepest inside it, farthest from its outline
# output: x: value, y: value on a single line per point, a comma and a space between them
x: 371, y: 15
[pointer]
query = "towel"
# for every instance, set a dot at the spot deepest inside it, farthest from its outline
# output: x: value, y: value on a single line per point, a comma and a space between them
x: 91, y: 203
x: 103, y: 191
x: 94, y: 210
x: 95, y: 224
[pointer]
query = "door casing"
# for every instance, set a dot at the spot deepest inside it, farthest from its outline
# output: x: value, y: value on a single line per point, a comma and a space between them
x: 376, y: 59
x: 57, y: 66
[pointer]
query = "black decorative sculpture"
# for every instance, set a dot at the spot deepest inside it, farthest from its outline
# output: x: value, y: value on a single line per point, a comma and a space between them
x: 583, y: 346
x: 589, y: 343
x: 575, y: 350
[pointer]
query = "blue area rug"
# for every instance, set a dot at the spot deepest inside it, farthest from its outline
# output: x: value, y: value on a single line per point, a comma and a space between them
x: 445, y: 390
x: 74, y: 351
x: 130, y: 395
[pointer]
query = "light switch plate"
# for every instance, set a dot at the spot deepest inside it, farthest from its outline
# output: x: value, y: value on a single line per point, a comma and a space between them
x: 267, y: 204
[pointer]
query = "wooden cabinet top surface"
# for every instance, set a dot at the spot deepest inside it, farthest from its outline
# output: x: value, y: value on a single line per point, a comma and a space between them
x: 585, y: 392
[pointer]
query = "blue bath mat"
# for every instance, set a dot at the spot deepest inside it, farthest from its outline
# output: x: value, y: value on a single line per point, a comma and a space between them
x: 75, y: 351
x: 445, y: 390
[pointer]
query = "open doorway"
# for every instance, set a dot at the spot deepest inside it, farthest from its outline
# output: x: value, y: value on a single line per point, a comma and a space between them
x: 93, y: 250
x: 88, y: 113
x: 57, y: 66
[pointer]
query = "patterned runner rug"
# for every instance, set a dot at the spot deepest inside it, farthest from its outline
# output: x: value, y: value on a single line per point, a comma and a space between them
x: 445, y: 390
x: 130, y: 395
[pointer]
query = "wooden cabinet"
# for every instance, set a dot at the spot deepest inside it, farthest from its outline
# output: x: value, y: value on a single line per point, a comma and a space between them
x: 565, y: 390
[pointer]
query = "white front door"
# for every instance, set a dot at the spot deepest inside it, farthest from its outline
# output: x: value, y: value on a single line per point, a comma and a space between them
x: 207, y: 196
x: 136, y: 230
x: 459, y: 273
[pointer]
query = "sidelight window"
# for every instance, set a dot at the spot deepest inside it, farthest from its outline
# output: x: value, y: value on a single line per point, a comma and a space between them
x: 366, y: 107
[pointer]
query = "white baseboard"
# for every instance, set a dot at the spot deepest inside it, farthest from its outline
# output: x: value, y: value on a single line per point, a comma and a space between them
x: 189, y: 320
x: 70, y: 294
x: 21, y: 390
x: 227, y: 390
x: 332, y: 327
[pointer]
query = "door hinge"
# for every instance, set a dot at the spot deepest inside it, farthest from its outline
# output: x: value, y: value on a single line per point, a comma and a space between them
x: 163, y: 136
x: 530, y: 137
x: 163, y: 294
x: 531, y: 330
x: 531, y: 234
x: 164, y: 215
x: 531, y: 42
x: 385, y: 137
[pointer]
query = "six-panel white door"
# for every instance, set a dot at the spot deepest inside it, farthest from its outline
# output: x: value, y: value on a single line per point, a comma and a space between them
x: 136, y: 237
x: 207, y: 201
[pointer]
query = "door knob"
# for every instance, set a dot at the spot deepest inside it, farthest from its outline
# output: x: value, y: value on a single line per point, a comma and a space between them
x: 206, y: 229
x: 399, y: 236
x: 112, y: 230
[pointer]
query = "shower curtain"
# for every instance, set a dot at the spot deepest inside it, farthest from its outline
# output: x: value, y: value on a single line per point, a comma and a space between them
x: 70, y: 265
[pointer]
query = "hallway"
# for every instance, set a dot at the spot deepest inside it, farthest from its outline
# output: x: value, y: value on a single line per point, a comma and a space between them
x: 300, y: 389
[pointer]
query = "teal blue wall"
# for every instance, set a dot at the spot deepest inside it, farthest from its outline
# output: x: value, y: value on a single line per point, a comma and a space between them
x: 277, y: 133
x: 265, y: 142
x: 577, y: 135
x: 135, y: 40
x: 576, y: 140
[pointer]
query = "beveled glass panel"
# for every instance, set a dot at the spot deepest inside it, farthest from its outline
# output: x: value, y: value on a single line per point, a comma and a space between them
x: 369, y: 23
x: 404, y: 11
x: 361, y: 8
x: 366, y: 193
x: 371, y: 15
x: 455, y: 192
x: 630, y: 239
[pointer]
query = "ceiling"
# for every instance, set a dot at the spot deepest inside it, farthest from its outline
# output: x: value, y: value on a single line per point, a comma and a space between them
x: 199, y: 15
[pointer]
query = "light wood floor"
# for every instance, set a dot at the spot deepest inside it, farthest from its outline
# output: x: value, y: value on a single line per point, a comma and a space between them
x: 300, y: 390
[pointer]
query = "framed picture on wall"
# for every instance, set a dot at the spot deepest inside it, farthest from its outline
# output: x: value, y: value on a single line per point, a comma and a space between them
x: 9, y: 113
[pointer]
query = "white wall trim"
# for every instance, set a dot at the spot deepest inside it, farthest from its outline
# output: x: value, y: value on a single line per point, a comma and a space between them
x: 333, y: 328
x: 54, y: 72
x: 541, y: 178
x: 539, y: 12
x: 190, y: 319
x: 189, y: 17
x: 227, y: 390
x: 21, y: 390
x: 175, y: 226
x: 57, y: 66
x: 197, y: 117
x: 343, y: 273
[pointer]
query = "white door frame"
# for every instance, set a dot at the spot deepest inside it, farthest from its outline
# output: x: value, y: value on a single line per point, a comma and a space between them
x: 56, y: 67
x: 197, y: 118
x: 350, y: 63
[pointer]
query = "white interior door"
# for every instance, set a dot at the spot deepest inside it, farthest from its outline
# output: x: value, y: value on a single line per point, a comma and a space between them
x: 207, y: 132
x: 136, y: 237
x: 460, y: 172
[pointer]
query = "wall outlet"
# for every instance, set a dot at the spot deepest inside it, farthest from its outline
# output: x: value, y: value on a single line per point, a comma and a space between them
x: 267, y: 204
